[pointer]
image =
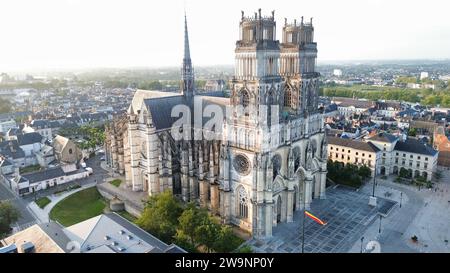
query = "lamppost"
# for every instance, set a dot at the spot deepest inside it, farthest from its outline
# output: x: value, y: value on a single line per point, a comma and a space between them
x: 401, y: 197
x: 362, y: 239
x: 373, y: 199
x: 379, y: 228
x: 303, y: 221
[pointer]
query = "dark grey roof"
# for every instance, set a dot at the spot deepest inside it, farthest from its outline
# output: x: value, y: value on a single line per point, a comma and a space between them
x: 11, y: 149
x: 29, y: 138
x: 161, y: 110
x: 355, y: 144
x: 5, y: 162
x: 219, y: 94
x: 13, y: 132
x: 384, y: 137
x: 40, y: 124
x: 44, y: 175
x: 413, y: 145
x: 330, y: 108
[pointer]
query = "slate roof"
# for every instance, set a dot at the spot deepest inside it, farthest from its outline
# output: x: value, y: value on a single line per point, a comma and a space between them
x: 355, y: 144
x: 161, y: 110
x: 384, y: 137
x: 40, y: 124
x: 219, y: 94
x: 11, y: 149
x: 5, y: 162
x: 30, y: 138
x: 412, y: 145
x: 44, y: 175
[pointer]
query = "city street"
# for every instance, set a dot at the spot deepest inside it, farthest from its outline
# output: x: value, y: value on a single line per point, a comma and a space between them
x: 27, y: 217
x: 424, y: 213
x: 347, y: 214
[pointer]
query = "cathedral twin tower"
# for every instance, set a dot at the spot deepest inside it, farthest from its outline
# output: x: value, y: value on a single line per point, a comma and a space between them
x: 265, y: 164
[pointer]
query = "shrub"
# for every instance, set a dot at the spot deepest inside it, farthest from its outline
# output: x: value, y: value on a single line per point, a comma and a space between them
x: 244, y: 249
x: 116, y: 182
x: 42, y: 202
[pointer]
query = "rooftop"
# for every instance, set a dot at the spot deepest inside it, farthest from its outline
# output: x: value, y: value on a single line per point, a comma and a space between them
x: 354, y: 144
x: 384, y: 137
x: 413, y: 145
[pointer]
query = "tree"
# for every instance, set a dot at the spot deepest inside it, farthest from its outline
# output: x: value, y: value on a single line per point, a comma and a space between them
x: 207, y: 234
x: 226, y: 241
x: 412, y: 132
x: 364, y: 172
x: 160, y: 216
x: 8, y: 216
x: 190, y: 219
x: 5, y: 106
x: 403, y: 173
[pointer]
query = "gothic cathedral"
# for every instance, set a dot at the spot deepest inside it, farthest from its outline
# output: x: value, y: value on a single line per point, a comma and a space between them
x: 267, y: 158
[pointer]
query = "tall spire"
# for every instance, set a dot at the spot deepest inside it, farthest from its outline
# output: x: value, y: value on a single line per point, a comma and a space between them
x: 187, y: 54
x: 187, y: 72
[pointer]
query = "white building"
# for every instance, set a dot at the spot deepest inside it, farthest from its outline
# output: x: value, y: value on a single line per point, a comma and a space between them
x: 389, y: 153
x: 337, y: 72
x: 6, y: 125
x: 354, y: 151
x: 41, y: 180
x: 423, y: 75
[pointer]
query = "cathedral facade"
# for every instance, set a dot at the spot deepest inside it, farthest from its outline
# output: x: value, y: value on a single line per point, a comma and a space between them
x: 252, y: 158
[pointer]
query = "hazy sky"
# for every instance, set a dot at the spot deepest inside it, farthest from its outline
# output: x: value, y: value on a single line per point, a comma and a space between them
x: 36, y: 34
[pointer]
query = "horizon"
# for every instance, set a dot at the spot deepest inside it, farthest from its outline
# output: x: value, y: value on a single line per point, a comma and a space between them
x: 78, y: 34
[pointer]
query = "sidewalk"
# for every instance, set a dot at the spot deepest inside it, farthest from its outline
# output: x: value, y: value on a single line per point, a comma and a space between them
x: 42, y: 215
x: 423, y: 213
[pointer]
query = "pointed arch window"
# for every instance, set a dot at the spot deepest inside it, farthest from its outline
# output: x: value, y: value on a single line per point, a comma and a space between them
x: 288, y: 97
x: 245, y: 98
x: 243, y: 203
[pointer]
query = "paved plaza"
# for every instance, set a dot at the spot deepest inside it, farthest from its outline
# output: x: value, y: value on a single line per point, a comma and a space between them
x: 347, y: 214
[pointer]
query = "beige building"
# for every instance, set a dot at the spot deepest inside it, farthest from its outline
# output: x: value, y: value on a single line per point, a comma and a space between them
x: 353, y: 151
x: 389, y: 153
x: 66, y: 151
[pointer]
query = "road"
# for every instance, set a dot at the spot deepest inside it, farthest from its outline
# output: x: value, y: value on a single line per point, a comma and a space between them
x: 424, y: 213
x: 27, y: 218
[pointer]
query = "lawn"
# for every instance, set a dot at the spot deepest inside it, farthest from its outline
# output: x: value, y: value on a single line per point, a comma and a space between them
x: 42, y: 202
x: 29, y: 169
x: 78, y: 207
x: 116, y: 182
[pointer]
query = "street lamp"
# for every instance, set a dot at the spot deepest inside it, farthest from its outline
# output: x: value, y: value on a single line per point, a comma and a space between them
x: 401, y: 195
x: 379, y: 228
x: 373, y: 199
x: 362, y: 239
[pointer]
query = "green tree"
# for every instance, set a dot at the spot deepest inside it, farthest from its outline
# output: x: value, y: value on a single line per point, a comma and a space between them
x: 190, y: 219
x: 5, y: 106
x: 8, y: 216
x: 160, y: 216
x: 226, y: 241
x: 207, y: 234
x: 412, y: 132
x: 364, y: 171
